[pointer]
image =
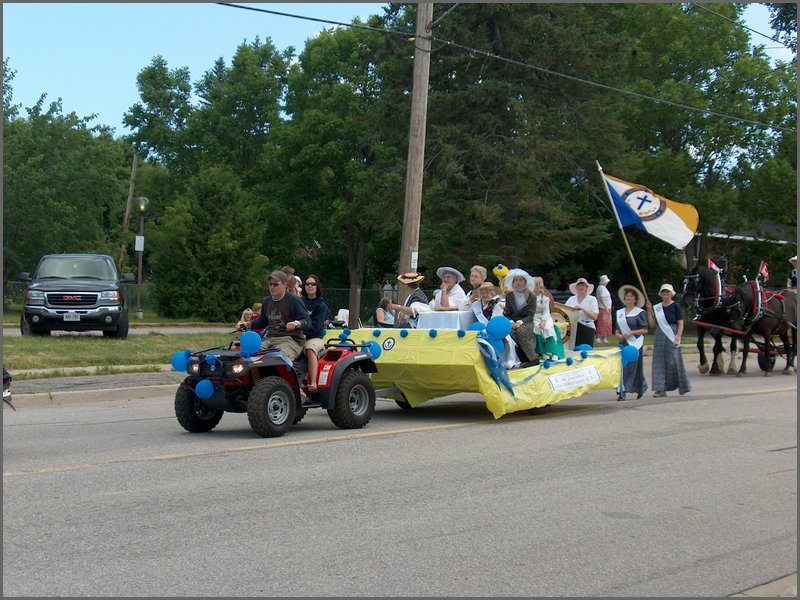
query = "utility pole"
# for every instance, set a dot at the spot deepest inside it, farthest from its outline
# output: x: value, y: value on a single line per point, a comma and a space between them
x: 409, y: 244
x: 123, y: 246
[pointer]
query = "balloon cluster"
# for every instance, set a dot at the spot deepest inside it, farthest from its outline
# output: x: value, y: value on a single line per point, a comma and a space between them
x: 629, y: 355
x: 494, y: 332
x: 374, y: 349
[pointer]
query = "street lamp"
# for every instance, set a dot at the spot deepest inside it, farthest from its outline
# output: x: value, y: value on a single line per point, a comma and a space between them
x: 141, y: 207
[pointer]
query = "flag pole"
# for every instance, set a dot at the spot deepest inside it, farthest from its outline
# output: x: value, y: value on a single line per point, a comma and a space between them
x: 621, y: 230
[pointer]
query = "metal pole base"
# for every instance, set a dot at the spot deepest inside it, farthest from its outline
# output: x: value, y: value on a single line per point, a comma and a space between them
x: 140, y: 314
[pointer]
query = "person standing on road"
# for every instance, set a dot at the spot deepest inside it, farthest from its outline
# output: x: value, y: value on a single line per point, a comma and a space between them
x: 604, y: 309
x: 669, y: 372
x: 631, y: 329
x: 791, y: 282
x: 283, y: 317
x: 587, y: 311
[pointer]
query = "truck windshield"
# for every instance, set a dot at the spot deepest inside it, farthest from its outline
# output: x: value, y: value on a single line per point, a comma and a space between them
x: 76, y: 268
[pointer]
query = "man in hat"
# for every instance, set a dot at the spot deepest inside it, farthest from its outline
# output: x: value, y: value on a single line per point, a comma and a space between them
x: 791, y: 283
x: 417, y: 301
x: 449, y: 295
x: 283, y: 318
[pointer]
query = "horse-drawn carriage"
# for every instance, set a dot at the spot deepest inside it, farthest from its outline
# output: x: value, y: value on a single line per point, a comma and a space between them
x: 741, y: 313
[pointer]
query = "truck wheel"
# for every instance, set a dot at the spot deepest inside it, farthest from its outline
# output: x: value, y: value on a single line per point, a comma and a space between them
x: 355, y: 401
x: 192, y: 413
x: 271, y: 407
x: 24, y: 327
x: 122, y: 327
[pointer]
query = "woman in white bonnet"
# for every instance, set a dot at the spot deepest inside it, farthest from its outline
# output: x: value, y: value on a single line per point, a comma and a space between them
x: 520, y: 310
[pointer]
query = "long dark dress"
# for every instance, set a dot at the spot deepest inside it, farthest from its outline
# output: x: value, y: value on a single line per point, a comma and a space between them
x: 669, y: 372
x: 524, y: 336
x: 633, y: 379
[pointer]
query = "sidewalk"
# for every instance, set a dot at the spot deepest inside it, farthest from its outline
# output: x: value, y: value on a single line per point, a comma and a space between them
x: 785, y: 587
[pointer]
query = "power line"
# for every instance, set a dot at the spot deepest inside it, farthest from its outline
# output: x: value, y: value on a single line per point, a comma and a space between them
x: 411, y: 37
x: 740, y: 24
x: 614, y: 89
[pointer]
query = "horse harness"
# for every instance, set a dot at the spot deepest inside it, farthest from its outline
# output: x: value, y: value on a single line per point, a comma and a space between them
x: 760, y: 307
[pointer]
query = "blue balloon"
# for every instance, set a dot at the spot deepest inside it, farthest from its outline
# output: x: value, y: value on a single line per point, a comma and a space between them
x: 211, y: 359
x: 629, y: 355
x: 374, y: 349
x: 346, y: 331
x: 584, y: 354
x: 461, y: 333
x: 250, y: 342
x: 583, y: 347
x: 376, y: 332
x: 546, y: 364
x: 204, y: 389
x: 570, y: 361
x: 404, y: 333
x: 244, y: 354
x: 498, y: 327
x: 432, y: 333
x: 180, y: 359
x: 476, y: 326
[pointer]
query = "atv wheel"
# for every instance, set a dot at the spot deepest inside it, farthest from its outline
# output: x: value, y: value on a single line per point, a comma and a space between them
x: 192, y: 413
x: 355, y: 401
x: 301, y: 412
x: 271, y: 407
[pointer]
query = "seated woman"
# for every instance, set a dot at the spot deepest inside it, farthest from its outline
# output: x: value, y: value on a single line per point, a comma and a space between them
x: 321, y: 316
x: 244, y: 322
x: 488, y: 304
x: 548, y: 339
x: 477, y: 275
x: 450, y: 295
x: 520, y: 309
x: 383, y: 316
x: 414, y: 304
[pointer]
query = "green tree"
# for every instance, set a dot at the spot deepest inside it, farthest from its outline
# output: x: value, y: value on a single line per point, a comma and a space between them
x: 64, y: 185
x: 205, y: 250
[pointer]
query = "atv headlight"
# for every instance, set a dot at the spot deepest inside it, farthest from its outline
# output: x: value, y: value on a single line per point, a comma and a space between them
x: 193, y: 368
x: 237, y: 369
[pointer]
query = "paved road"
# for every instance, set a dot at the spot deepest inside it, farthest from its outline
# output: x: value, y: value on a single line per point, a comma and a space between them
x: 681, y: 496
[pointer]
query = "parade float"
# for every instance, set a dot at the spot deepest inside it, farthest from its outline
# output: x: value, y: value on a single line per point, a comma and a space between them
x: 417, y: 365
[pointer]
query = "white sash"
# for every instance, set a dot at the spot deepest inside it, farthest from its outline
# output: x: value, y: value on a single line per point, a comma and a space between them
x: 661, y: 319
x: 637, y: 341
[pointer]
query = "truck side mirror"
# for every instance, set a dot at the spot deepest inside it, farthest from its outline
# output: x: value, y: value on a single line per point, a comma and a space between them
x: 128, y: 278
x: 24, y: 276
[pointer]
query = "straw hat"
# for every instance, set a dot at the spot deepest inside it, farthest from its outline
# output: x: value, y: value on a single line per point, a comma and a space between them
x: 410, y: 277
x: 573, y: 287
x: 509, y: 280
x: 488, y: 285
x: 441, y: 271
x: 668, y: 287
x: 639, y: 295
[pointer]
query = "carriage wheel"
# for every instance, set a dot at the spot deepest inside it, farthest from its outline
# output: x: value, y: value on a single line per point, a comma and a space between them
x: 765, y: 362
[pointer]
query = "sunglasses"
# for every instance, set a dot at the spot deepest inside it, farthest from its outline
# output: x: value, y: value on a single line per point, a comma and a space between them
x: 312, y: 283
x: 275, y: 283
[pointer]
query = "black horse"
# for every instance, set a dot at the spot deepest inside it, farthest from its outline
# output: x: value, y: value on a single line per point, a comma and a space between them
x: 704, y: 293
x: 758, y: 312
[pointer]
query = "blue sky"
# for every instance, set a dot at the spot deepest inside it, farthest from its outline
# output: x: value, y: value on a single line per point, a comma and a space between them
x: 89, y: 54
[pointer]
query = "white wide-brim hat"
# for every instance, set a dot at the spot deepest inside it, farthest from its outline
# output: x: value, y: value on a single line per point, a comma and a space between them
x: 573, y: 287
x: 639, y: 295
x: 529, y: 282
x: 668, y: 287
x: 454, y: 272
x: 793, y: 259
x: 604, y: 279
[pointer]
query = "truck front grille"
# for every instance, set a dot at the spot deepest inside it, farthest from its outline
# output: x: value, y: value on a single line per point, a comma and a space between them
x: 71, y: 299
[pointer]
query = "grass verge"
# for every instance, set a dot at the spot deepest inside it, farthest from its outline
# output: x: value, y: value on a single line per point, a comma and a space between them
x: 58, y: 352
